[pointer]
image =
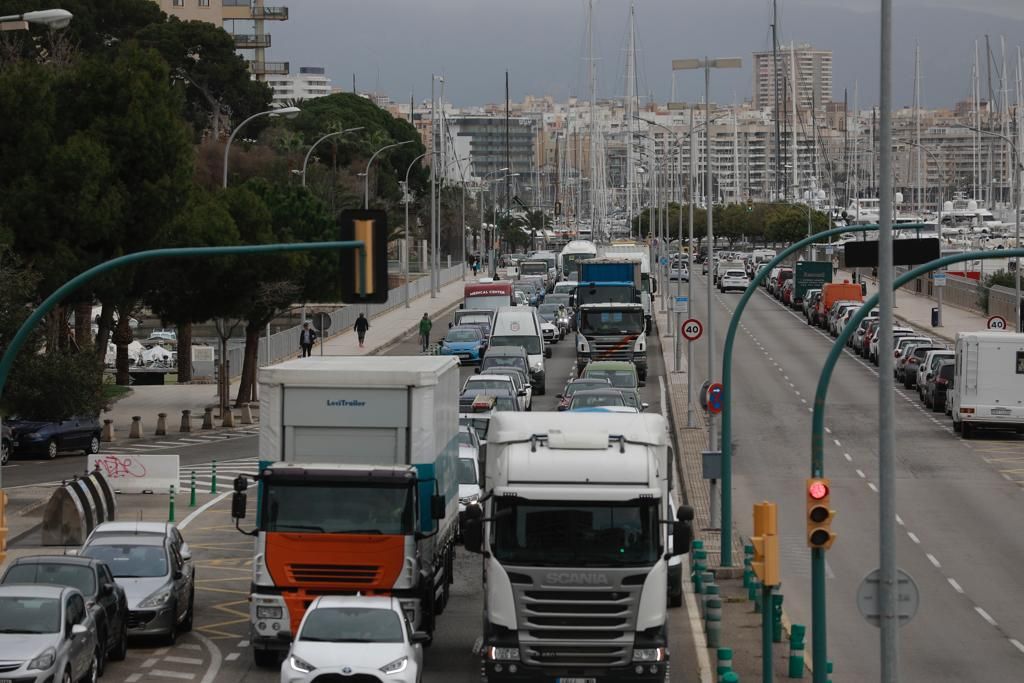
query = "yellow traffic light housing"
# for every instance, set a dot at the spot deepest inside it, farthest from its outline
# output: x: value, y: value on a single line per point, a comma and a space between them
x: 371, y: 227
x: 766, y: 544
x: 819, y: 514
x: 3, y: 526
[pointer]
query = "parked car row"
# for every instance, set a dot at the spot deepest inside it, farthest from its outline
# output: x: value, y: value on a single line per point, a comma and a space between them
x: 49, y: 438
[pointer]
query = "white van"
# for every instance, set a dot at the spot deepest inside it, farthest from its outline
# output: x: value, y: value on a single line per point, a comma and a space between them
x: 520, y: 326
x: 988, y: 383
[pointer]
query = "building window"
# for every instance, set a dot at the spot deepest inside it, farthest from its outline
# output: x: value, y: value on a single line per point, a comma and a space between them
x: 178, y: 3
x: 204, y: 3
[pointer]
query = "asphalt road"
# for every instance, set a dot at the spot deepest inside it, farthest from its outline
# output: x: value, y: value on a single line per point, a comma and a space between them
x: 959, y: 507
x: 217, y: 650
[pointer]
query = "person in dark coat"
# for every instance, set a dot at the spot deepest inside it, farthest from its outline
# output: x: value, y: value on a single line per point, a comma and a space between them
x: 307, y: 337
x: 361, y: 326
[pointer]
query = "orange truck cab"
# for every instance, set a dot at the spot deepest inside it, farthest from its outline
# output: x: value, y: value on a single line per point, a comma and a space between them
x: 837, y: 291
x: 359, y: 493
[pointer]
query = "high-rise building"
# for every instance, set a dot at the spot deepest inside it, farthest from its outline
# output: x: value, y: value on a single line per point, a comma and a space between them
x: 813, y: 76
x: 311, y: 82
x: 243, y: 19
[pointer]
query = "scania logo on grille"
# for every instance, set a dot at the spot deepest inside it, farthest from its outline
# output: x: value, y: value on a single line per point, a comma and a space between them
x: 346, y: 670
x: 577, y: 578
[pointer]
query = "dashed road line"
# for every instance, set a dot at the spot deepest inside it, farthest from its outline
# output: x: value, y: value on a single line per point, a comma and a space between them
x: 985, y: 615
x: 934, y: 560
x: 956, y: 586
x: 913, y: 537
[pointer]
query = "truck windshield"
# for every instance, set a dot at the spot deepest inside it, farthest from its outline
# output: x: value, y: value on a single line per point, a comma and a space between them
x: 613, y: 294
x: 576, y: 533
x: 533, y: 268
x: 531, y: 342
x: 611, y: 322
x: 337, y: 508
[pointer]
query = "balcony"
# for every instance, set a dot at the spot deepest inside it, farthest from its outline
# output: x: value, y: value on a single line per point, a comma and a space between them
x: 268, y: 68
x: 270, y: 13
x: 245, y: 41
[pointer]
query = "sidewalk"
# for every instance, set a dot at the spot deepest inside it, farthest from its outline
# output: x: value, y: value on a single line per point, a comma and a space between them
x: 385, y: 330
x: 916, y: 310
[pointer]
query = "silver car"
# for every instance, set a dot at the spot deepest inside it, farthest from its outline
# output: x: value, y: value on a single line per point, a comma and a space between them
x: 160, y: 593
x: 167, y: 529
x: 46, y: 634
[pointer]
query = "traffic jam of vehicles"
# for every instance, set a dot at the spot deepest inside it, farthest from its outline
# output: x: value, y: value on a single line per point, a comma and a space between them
x: 433, y: 465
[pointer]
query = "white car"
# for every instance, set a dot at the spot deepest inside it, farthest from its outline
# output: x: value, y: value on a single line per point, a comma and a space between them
x: 734, y: 279
x: 550, y: 332
x: 355, y: 637
x: 469, y: 484
x: 523, y: 388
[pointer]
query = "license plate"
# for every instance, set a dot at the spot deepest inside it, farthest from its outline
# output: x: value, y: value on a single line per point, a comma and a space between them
x: 1000, y: 411
x: 560, y: 680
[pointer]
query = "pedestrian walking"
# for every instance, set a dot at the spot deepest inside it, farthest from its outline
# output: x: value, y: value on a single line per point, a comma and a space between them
x: 361, y: 326
x: 476, y: 267
x: 307, y: 337
x: 425, y: 326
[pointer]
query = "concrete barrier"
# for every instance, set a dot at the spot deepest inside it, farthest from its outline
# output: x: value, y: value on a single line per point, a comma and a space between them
x: 186, y: 421
x: 228, y: 418
x: 135, y: 432
x: 247, y: 413
x: 108, y: 431
x: 76, y: 508
x: 207, y: 419
x: 137, y: 473
x: 161, y: 424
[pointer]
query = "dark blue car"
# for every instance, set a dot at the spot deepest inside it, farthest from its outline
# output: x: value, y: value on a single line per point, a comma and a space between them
x: 465, y: 341
x: 49, y: 438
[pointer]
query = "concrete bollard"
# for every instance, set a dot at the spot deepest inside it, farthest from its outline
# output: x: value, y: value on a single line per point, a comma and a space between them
x: 161, y: 424
x: 107, y: 434
x: 776, y: 617
x: 135, y: 431
x: 713, y: 621
x: 796, y: 651
x: 724, y: 664
x: 228, y: 418
x: 247, y: 413
x: 186, y: 421
x: 207, y: 419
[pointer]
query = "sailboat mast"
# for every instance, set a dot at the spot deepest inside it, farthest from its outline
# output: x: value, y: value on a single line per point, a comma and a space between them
x: 975, y: 77
x: 736, y: 151
x: 856, y: 146
x: 792, y: 139
x: 630, y: 55
x: 917, y: 125
x: 593, y: 119
x: 775, y: 74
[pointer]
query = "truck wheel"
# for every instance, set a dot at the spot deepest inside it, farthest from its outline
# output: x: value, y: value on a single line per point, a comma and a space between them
x: 957, y: 426
x: 966, y: 430
x: 265, y: 659
x: 541, y: 390
x: 675, y: 599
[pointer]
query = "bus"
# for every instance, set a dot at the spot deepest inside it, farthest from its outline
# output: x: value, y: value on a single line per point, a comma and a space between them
x: 571, y: 255
x: 489, y: 296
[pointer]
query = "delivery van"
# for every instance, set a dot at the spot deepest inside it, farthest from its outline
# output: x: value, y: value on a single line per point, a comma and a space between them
x: 988, y: 382
x: 520, y: 326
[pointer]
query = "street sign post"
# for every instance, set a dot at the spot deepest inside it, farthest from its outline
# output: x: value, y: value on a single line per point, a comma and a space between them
x: 664, y: 260
x: 692, y: 329
x: 939, y: 279
x: 997, y: 322
x: 907, y: 597
x: 322, y: 323
x: 681, y: 305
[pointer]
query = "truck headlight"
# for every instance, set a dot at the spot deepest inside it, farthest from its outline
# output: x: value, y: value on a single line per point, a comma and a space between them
x: 649, y: 654
x: 503, y: 654
x: 470, y: 500
x: 539, y: 367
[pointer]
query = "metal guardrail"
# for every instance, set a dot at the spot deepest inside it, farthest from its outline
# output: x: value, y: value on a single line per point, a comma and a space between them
x: 285, y: 344
x: 276, y: 68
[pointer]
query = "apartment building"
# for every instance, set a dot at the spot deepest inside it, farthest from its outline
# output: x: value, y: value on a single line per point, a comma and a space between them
x: 311, y: 82
x: 812, y: 76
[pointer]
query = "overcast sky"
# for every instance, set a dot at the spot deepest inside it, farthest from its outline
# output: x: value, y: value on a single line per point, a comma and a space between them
x: 394, y: 45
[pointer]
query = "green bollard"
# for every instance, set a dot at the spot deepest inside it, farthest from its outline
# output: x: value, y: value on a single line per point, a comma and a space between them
x: 697, y: 544
x: 192, y: 496
x: 731, y: 677
x: 796, y: 651
x: 713, y: 621
x: 776, y: 617
x: 828, y: 670
x: 213, y: 478
x: 755, y: 588
x: 724, y: 664
x: 748, y: 573
x: 752, y: 589
x: 170, y: 506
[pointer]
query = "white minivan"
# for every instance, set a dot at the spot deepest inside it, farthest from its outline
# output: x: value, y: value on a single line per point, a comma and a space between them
x: 520, y: 326
x: 988, y: 383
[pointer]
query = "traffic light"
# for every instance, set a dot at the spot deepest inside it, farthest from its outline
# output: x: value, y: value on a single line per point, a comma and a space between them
x: 819, y: 514
x: 766, y: 544
x: 371, y: 227
x: 3, y: 526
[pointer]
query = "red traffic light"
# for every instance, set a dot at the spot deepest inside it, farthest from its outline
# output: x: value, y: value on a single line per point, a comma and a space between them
x: 817, y: 490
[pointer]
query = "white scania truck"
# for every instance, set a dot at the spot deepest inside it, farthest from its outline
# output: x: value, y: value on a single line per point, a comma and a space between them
x: 574, y: 533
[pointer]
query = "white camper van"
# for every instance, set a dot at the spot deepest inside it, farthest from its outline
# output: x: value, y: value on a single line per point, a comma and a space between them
x: 988, y: 384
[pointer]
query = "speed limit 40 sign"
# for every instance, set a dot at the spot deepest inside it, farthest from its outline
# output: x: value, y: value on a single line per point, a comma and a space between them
x: 997, y: 322
x: 692, y: 329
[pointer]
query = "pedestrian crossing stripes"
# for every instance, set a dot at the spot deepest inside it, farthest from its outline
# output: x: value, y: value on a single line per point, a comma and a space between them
x: 129, y: 448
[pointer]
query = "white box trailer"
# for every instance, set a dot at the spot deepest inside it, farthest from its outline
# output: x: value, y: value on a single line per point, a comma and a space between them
x: 988, y: 382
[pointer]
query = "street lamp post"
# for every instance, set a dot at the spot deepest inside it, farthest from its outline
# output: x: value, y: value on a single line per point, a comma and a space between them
x: 305, y: 162
x: 483, y: 232
x: 405, y: 250
x: 288, y: 112
x: 51, y: 18
x: 725, y: 508
x: 366, y: 176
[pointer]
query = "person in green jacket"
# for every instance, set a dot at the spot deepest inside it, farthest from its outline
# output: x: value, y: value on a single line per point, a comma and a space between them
x: 425, y: 326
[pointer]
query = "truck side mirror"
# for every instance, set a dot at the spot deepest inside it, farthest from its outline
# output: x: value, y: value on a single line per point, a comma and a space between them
x: 472, y: 529
x: 437, y: 507
x: 684, y: 513
x: 238, y: 504
x: 682, y: 537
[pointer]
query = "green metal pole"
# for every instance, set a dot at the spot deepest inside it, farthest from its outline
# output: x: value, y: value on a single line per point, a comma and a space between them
x: 730, y: 339
x: 170, y: 506
x: 767, y: 665
x: 192, y: 496
x: 818, y: 635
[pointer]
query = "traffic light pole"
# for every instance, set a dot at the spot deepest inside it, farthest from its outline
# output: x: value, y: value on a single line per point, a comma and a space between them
x: 730, y: 340
x: 818, y: 643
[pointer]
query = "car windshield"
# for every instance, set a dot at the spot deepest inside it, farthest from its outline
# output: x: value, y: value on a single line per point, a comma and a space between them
x: 735, y: 273
x: 467, y: 471
x: 475, y: 320
x: 548, y: 310
x: 29, y: 615
x: 585, y: 400
x: 463, y: 335
x: 618, y: 378
x: 530, y: 343
x: 339, y: 508
x: 484, y: 384
x: 612, y: 322
x: 466, y: 439
x: 517, y: 362
x: 573, y: 387
x: 505, y: 403
x: 127, y: 561
x: 352, y: 625
x: 74, y: 575
x: 577, y: 533
x: 477, y: 424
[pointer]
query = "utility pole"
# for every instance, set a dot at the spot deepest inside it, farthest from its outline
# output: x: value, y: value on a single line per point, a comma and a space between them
x: 433, y: 177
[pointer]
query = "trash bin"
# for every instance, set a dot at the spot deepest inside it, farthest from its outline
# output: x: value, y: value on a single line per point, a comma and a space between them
x: 935, y: 316
x: 863, y: 288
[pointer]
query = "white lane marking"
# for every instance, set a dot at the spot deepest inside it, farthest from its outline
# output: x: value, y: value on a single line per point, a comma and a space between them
x: 243, y: 643
x: 804, y: 400
x: 178, y: 675
x: 190, y: 646
x: 797, y: 393
x: 183, y: 660
x: 849, y: 458
x: 986, y: 616
x: 1017, y: 644
x: 785, y: 377
x: 956, y: 586
x: 872, y: 487
x: 791, y: 385
x: 194, y: 440
x: 231, y: 656
x: 860, y: 473
x: 215, y: 658
x: 168, y: 443
x: 836, y: 442
x: 934, y: 560
x: 913, y: 537
x: 899, y: 520
x: 827, y: 430
x: 200, y: 510
x: 152, y: 661
x: 134, y: 677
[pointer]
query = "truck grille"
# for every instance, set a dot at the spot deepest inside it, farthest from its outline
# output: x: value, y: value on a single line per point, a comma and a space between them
x: 352, y: 574
x: 578, y: 627
x: 612, y: 348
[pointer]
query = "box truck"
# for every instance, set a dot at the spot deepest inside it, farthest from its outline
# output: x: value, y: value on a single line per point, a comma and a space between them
x: 988, y: 382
